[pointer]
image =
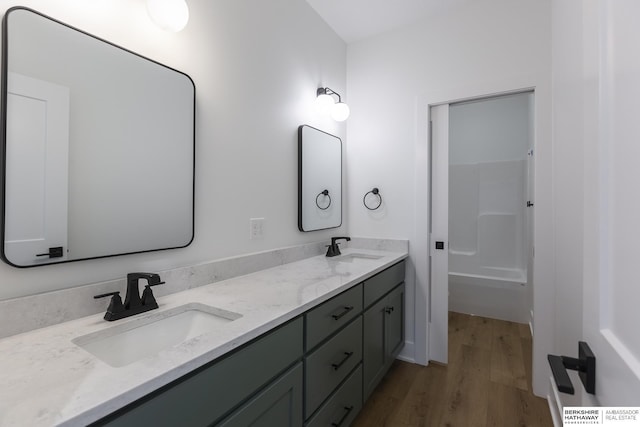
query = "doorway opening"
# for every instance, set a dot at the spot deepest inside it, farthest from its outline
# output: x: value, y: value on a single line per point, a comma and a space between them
x: 482, y: 209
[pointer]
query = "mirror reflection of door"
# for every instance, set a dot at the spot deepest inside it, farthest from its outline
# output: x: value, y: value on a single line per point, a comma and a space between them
x: 36, y: 199
x: 125, y: 139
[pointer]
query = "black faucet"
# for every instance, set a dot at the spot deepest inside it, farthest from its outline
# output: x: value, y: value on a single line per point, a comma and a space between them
x: 333, y: 248
x: 133, y: 304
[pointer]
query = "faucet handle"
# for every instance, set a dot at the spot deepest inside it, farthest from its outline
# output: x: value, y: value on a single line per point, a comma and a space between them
x: 115, y: 305
x: 106, y: 295
x: 154, y: 284
x: 148, y: 299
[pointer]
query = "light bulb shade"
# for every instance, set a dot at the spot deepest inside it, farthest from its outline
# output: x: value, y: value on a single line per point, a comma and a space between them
x: 340, y: 111
x: 324, y: 103
x: 170, y: 15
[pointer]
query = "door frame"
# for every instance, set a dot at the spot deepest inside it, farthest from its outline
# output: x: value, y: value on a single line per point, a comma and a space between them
x: 438, y: 338
x: 543, y: 298
x: 605, y: 90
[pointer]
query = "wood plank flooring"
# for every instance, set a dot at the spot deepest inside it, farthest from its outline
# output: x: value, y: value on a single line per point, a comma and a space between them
x: 487, y: 382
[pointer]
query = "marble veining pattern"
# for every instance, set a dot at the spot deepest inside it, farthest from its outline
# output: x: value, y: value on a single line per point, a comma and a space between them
x: 45, y: 379
x: 51, y: 308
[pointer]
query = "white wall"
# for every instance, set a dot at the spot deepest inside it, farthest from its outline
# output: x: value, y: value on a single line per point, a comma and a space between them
x: 256, y: 66
x: 485, y: 47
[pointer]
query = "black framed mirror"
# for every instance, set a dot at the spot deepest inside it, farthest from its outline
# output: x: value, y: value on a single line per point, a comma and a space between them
x: 98, y: 146
x: 319, y: 179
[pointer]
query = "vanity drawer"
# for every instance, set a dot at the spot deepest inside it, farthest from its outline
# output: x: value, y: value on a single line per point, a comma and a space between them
x: 327, y: 366
x: 380, y: 284
x: 206, y: 395
x: 327, y: 318
x: 343, y: 407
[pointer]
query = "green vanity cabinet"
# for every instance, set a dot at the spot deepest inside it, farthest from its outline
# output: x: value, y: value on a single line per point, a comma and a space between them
x: 202, y: 397
x: 280, y: 404
x: 332, y: 315
x: 331, y: 363
x: 343, y: 406
x: 333, y: 352
x: 379, y: 285
x: 383, y: 331
x: 315, y: 370
x: 394, y: 326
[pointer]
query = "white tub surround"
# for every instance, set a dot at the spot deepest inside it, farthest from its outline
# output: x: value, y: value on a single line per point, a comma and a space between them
x: 487, y: 217
x: 490, y: 296
x: 46, y: 380
x: 487, y: 253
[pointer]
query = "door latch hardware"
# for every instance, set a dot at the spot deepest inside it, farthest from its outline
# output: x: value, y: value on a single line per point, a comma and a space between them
x: 440, y: 245
x: 53, y: 252
x: 585, y: 364
x: 529, y: 204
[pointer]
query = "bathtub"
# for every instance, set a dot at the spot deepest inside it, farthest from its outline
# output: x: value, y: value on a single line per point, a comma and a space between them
x: 498, y: 293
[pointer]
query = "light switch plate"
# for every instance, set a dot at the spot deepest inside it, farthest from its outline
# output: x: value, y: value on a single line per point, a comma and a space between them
x: 256, y: 228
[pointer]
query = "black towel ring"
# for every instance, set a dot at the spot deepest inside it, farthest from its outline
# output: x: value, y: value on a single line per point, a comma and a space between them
x: 375, y: 192
x: 326, y: 194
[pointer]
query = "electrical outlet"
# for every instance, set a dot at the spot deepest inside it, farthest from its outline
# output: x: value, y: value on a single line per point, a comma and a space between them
x: 256, y: 228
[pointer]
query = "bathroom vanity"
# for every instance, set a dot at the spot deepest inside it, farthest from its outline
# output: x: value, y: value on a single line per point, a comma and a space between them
x: 303, y: 344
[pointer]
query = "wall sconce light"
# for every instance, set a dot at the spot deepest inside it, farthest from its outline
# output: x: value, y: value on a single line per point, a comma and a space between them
x: 326, y: 104
x: 170, y: 15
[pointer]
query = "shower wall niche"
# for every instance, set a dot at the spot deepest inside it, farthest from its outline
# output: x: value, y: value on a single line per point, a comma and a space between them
x: 488, y: 228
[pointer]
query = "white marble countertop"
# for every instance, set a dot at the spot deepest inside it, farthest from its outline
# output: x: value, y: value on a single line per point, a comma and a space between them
x: 47, y: 380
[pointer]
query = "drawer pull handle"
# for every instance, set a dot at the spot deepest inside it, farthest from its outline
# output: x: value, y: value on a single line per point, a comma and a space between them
x: 347, y: 308
x: 348, y: 410
x: 388, y: 310
x: 347, y: 355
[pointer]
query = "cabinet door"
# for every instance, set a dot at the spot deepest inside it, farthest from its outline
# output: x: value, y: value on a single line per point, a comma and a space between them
x: 394, y: 324
x: 206, y: 395
x: 280, y: 404
x: 373, y: 356
x: 383, y: 337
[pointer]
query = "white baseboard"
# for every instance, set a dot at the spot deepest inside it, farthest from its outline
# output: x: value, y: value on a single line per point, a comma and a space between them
x: 408, y: 353
x: 531, y: 322
x: 555, y: 404
x: 557, y: 422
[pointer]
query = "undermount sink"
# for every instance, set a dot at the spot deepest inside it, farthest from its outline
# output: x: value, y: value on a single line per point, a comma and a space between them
x: 356, y: 256
x: 132, y: 341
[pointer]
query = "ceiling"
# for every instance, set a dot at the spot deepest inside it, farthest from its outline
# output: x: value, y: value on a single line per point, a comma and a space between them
x: 355, y: 20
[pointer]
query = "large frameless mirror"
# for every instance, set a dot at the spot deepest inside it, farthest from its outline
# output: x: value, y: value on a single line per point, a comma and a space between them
x: 98, y: 146
x: 319, y: 179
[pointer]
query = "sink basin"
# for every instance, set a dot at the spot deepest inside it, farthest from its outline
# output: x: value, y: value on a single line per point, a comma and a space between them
x: 356, y: 256
x: 134, y: 340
